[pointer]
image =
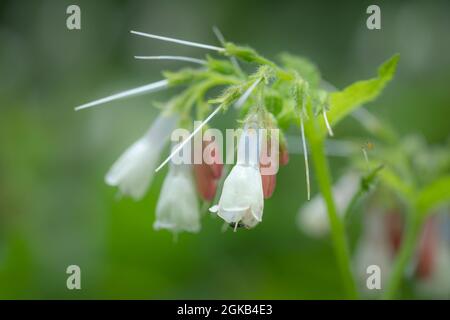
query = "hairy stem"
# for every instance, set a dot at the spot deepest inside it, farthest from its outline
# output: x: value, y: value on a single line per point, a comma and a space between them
x: 406, y: 251
x: 336, y: 224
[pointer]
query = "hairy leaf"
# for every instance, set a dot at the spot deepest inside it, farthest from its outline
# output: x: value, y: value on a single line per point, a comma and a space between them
x: 345, y: 101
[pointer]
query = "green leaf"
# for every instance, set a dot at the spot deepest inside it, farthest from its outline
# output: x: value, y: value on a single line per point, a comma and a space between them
x: 344, y: 102
x: 436, y: 193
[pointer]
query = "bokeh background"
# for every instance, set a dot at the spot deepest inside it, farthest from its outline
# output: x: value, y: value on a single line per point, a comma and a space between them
x: 55, y: 209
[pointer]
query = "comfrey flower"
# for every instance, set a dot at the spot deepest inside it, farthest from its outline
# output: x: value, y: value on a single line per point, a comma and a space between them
x: 242, y: 199
x: 313, y: 218
x: 132, y: 173
x: 177, y: 209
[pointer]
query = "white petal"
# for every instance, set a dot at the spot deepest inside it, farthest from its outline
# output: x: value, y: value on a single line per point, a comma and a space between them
x: 242, y: 197
x: 132, y: 173
x: 313, y: 216
x: 249, y: 148
x: 177, y: 208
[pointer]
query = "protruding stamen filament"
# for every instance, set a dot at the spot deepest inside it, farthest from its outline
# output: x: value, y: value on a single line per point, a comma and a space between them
x: 182, y: 144
x: 177, y: 58
x: 325, y: 118
x: 239, y: 103
x: 236, y: 224
x: 246, y: 94
x: 186, y: 43
x: 152, y: 87
x: 305, y: 153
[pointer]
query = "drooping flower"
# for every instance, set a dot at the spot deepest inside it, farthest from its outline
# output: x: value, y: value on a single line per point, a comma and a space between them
x: 208, y: 172
x: 133, y: 171
x: 242, y: 199
x: 313, y: 218
x: 177, y: 209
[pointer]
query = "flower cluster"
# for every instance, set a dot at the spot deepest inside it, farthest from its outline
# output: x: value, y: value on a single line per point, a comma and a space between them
x: 259, y: 99
x: 276, y: 96
x: 264, y: 94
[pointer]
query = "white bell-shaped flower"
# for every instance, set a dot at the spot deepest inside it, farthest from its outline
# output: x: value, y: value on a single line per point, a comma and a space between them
x: 242, y: 199
x: 133, y: 171
x: 313, y: 217
x: 177, y: 209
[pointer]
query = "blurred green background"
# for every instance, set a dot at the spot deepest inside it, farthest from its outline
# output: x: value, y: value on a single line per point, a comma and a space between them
x: 55, y: 209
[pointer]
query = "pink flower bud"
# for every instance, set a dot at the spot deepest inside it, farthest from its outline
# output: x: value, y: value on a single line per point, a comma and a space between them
x: 284, y: 155
x: 268, y: 184
x: 266, y: 159
x: 206, y: 175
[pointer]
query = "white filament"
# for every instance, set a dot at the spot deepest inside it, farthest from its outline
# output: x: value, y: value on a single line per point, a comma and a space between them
x: 186, y: 43
x: 325, y: 118
x: 177, y: 58
x: 239, y: 103
x: 246, y: 94
x: 305, y: 153
x: 181, y: 145
x: 152, y: 87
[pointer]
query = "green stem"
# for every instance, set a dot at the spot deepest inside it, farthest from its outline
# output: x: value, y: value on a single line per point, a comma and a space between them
x: 337, y: 226
x: 406, y: 251
x: 352, y: 205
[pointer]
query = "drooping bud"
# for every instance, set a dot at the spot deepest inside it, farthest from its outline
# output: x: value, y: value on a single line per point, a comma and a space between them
x: 208, y: 172
x: 268, y: 184
x: 269, y: 157
x: 284, y: 154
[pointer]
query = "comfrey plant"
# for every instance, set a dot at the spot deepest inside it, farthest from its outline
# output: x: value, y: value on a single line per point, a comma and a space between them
x: 415, y: 181
x: 266, y: 95
x: 404, y: 189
